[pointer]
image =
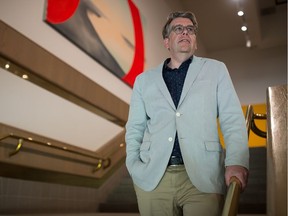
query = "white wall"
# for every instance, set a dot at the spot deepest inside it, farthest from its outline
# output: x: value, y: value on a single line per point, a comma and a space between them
x: 35, y: 109
x: 253, y: 71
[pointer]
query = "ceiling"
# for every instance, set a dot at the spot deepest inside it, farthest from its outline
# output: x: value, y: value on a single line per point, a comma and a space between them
x: 219, y: 24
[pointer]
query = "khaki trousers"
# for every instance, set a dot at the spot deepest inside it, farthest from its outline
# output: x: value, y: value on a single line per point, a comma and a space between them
x: 176, y: 195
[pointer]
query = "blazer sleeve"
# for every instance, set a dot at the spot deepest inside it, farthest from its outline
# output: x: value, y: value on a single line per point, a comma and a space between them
x: 232, y: 121
x: 135, y: 126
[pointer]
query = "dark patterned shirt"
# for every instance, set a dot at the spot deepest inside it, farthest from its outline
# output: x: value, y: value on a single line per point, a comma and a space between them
x: 174, y: 79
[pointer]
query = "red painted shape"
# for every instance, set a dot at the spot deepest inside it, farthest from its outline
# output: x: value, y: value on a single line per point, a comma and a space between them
x: 59, y: 11
x: 138, y: 61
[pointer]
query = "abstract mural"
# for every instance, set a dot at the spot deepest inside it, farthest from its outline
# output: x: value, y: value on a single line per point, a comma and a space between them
x: 109, y: 31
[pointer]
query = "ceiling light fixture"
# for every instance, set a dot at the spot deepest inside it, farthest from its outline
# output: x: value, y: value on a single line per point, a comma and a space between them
x: 25, y: 76
x: 240, y: 13
x: 244, y: 27
x: 248, y: 43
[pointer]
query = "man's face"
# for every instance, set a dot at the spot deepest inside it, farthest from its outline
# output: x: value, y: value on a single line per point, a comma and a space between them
x: 181, y: 42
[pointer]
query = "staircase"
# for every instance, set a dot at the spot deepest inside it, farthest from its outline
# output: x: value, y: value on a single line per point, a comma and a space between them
x: 252, y: 201
x: 122, y: 198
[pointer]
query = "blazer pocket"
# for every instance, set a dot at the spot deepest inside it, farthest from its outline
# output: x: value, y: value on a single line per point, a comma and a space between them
x: 144, y: 152
x: 213, y: 146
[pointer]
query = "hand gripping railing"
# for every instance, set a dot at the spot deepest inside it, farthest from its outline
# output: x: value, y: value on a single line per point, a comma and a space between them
x: 101, y: 162
x: 233, y: 194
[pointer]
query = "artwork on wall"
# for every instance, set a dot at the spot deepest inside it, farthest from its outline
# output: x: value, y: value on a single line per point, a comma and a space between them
x: 107, y: 30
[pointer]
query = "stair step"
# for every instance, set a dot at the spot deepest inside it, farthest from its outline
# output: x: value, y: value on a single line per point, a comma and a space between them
x: 116, y: 207
x: 248, y: 208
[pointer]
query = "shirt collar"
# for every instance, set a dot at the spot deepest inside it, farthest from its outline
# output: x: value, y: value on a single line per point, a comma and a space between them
x: 185, y: 63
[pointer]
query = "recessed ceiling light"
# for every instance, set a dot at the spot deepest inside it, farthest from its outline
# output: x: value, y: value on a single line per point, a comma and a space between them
x: 244, y: 28
x: 248, y: 43
x: 240, y: 13
x: 25, y: 76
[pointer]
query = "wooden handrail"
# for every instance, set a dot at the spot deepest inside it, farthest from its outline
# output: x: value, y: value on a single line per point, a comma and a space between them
x: 101, y: 162
x: 249, y: 118
x: 232, y: 198
x: 233, y: 194
x: 250, y: 123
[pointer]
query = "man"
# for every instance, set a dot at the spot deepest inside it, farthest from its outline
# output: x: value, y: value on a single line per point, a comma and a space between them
x: 173, y: 151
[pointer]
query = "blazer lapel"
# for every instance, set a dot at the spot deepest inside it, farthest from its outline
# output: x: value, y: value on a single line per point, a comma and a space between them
x: 192, y: 73
x: 162, y: 86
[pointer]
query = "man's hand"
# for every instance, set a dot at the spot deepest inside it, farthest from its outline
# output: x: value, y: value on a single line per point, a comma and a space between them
x: 238, y: 171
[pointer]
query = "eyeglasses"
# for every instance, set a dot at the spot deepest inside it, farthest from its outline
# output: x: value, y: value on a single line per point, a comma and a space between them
x: 179, y: 29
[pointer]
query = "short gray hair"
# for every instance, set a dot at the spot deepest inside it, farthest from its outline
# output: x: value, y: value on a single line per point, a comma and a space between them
x: 167, y: 29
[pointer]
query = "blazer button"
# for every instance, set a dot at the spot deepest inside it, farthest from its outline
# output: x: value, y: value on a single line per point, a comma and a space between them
x: 170, y: 139
x: 178, y: 114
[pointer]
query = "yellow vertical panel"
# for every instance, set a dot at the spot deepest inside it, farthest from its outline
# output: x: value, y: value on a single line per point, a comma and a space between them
x: 254, y: 140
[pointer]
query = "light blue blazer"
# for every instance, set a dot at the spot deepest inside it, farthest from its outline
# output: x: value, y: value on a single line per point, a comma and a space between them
x: 208, y: 94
